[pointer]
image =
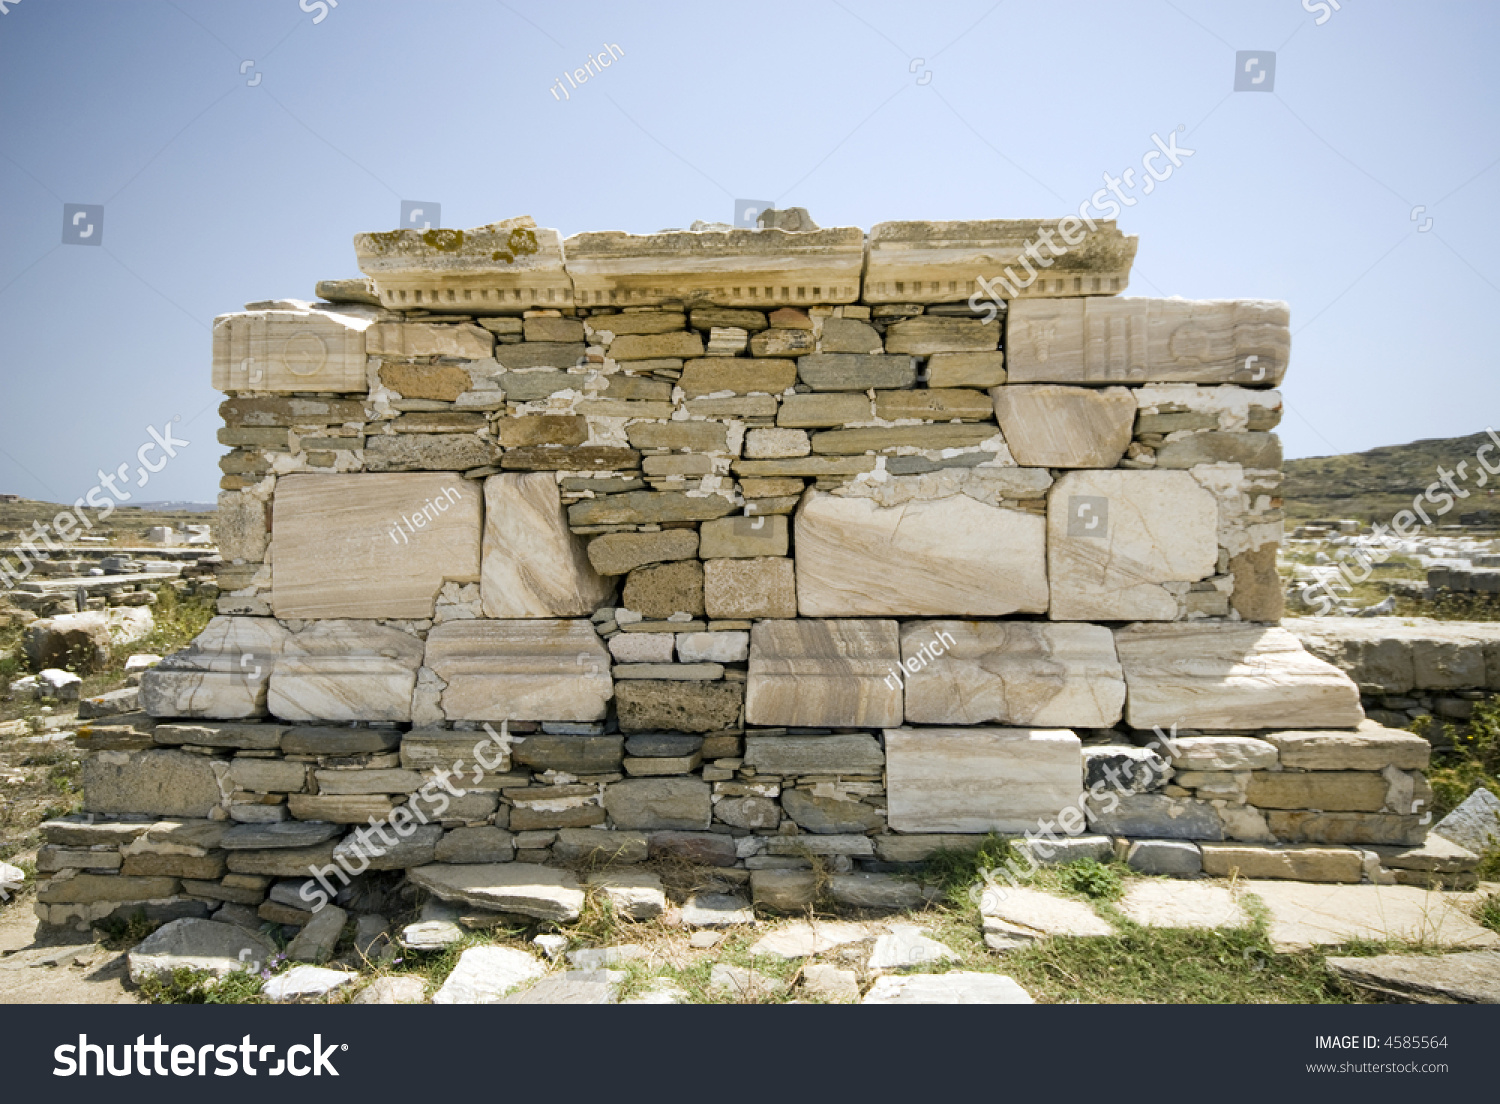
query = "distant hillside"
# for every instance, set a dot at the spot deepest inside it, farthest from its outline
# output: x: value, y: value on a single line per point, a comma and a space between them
x: 1374, y: 485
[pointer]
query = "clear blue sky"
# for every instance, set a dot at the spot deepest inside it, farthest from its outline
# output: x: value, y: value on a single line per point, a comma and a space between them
x: 218, y: 191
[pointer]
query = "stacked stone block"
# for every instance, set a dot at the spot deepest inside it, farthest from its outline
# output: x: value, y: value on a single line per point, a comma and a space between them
x: 764, y: 549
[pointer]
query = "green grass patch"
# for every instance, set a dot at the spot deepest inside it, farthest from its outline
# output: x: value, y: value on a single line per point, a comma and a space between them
x: 184, y: 986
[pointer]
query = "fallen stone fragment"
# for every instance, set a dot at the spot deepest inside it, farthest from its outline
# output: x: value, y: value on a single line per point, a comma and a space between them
x: 525, y: 888
x: 431, y: 935
x: 219, y: 949
x: 1470, y: 977
x: 393, y: 990
x: 958, y: 987
x: 305, y: 983
x: 1044, y: 914
x: 485, y: 974
x: 804, y: 939
x: 830, y: 983
x: 716, y: 910
x: 571, y: 987
x: 906, y: 945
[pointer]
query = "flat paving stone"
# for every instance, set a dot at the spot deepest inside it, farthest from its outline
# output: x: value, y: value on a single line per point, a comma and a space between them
x: 1468, y: 977
x: 954, y: 988
x: 717, y: 910
x: 572, y: 987
x: 486, y: 974
x: 1173, y: 904
x: 1042, y: 913
x: 1306, y: 915
x: 804, y: 939
x: 906, y: 945
x: 306, y: 983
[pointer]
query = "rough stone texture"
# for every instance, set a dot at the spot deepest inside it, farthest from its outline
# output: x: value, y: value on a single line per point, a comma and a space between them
x: 242, y: 527
x: 485, y: 974
x: 362, y: 545
x: 1395, y: 655
x: 661, y: 590
x: 1469, y: 977
x: 632, y: 894
x: 713, y: 647
x: 1228, y: 676
x: 1154, y: 816
x: 620, y: 553
x: 525, y: 888
x: 153, y: 783
x: 431, y: 452
x: 1221, y: 753
x: 681, y: 804
x: 552, y: 670
x: 1157, y: 903
x: 830, y: 983
x: 1176, y: 857
x: 533, y: 565
x: 1034, y: 913
x: 1475, y: 824
x: 741, y: 589
x: 980, y: 779
x: 824, y: 673
x: 1011, y: 673
x: 852, y: 372
x: 784, y: 890
x: 1101, y: 340
x: 219, y: 949
x: 651, y: 705
x: 483, y: 844
x: 1323, y: 915
x: 1329, y: 791
x: 955, y: 987
x: 744, y: 538
x: 1372, y: 748
x: 717, y: 910
x: 830, y: 815
x: 1047, y: 426
x: 1301, y: 864
x: 316, y: 941
x: 906, y: 946
x: 848, y: 754
x: 1114, y: 537
x: 346, y: 671
x: 1300, y: 826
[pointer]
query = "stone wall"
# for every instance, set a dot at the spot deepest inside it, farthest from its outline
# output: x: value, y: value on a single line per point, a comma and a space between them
x: 758, y: 548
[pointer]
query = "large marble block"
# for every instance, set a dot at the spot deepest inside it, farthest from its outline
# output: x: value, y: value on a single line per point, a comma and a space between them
x: 222, y: 674
x: 1047, y: 426
x: 538, y: 670
x: 506, y: 266
x: 1244, y: 341
x: 533, y: 564
x: 290, y: 350
x: 980, y: 779
x: 941, y: 262
x: 1115, y: 537
x: 950, y: 556
x: 347, y: 671
x: 728, y: 268
x: 1011, y: 672
x: 371, y: 545
x: 824, y: 673
x: 1230, y: 676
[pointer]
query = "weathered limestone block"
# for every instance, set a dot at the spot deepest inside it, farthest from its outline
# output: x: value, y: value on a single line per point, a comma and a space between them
x: 939, y: 262
x: 413, y: 452
x: 649, y: 507
x: 526, y: 888
x: 1244, y: 341
x: 1250, y: 450
x: 1179, y: 407
x: 677, y: 804
x: 951, y: 556
x: 222, y: 674
x: 1393, y: 655
x: 1301, y: 864
x: 1154, y: 816
x: 371, y: 546
x: 932, y: 437
x: 620, y: 553
x: 980, y: 779
x: 1372, y: 748
x: 815, y: 673
x: 815, y: 411
x: 1013, y: 673
x: 654, y: 705
x: 829, y: 815
x: 153, y: 783
x: 439, y: 382
x: 242, y: 527
x: 551, y: 670
x: 1228, y: 676
x: 533, y: 564
x: 1305, y: 826
x: 966, y: 369
x: 290, y: 350
x: 928, y: 334
x: 418, y: 339
x: 347, y: 671
x: 505, y: 266
x: 1327, y: 791
x: 1221, y: 753
x: 743, y: 376
x: 847, y: 754
x: 725, y: 268
x: 1258, y: 595
x: 741, y: 589
x: 661, y: 590
x: 745, y: 538
x: 1050, y: 426
x: 1114, y: 537
x: 853, y: 372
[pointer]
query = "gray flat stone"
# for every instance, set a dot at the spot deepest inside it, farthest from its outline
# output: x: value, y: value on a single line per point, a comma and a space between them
x: 906, y: 945
x: 525, y: 888
x: 431, y: 935
x: 804, y: 939
x: 1040, y: 913
x: 486, y: 974
x: 1159, y: 904
x: 1165, y: 857
x: 220, y: 949
x: 286, y: 833
x: 319, y: 936
x: 305, y: 983
x: 1475, y: 824
x: 572, y: 987
x: 393, y: 990
x: 743, y: 984
x: 716, y: 910
x: 1470, y: 977
x: 958, y: 987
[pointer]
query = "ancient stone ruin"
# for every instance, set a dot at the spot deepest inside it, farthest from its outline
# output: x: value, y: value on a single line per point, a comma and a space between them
x: 763, y: 549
